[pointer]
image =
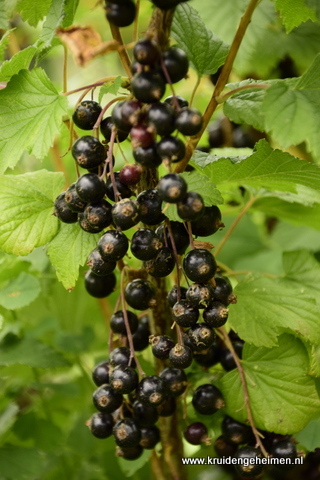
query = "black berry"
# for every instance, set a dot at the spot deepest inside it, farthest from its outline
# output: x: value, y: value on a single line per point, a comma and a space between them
x: 189, y: 121
x: 171, y: 149
x: 248, y: 469
x: 98, y: 214
x: 73, y: 200
x: 98, y: 265
x: 184, y: 314
x: 161, y: 117
x: 201, y: 336
x: 106, y: 399
x: 147, y: 157
x: 216, y: 314
x: 141, y: 335
x: 207, y: 399
x: 209, y: 223
x: 200, y: 295
x: 175, y: 381
x: 146, y: 51
x: 182, y: 102
x: 235, y: 432
x: 180, y: 356
x: 150, y: 436
x: 162, y: 264
x: 130, y: 174
x: 287, y: 450
x: 63, y: 211
x: 101, y: 424
x: 148, y: 87
x: 121, y: 14
x: 113, y: 245
x: 120, y: 356
x: 140, y: 294
x: 100, y: 373
x: 179, y: 233
x: 172, y: 296
x: 106, y: 129
x: 199, y: 265
x: 90, y: 188
x: 176, y: 63
x: 99, y: 286
x: 86, y: 114
x: 88, y: 152
x: 196, y: 433
x: 172, y: 188
x: 117, y: 322
x: 161, y: 346
x: 126, y: 213
x: 143, y: 415
x: 145, y: 244
x: 151, y: 391
x: 150, y: 204
x: 191, y: 207
x: 123, y: 379
x: 126, y: 433
x: 124, y: 190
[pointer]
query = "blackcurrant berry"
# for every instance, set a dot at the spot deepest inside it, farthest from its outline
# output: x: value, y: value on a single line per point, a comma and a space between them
x: 165, y: 4
x: 161, y: 117
x: 242, y: 139
x: 175, y: 381
x: 98, y: 265
x: 209, y: 223
x: 287, y: 450
x: 88, y: 152
x: 148, y: 87
x: 224, y: 448
x: 117, y: 322
x: 199, y: 265
x: 141, y: 136
x: 101, y: 424
x: 113, y: 245
x: 189, y: 121
x: 162, y: 264
x: 184, y: 314
x: 126, y: 213
x: 119, y: 121
x: 200, y: 295
x: 146, y: 51
x: 121, y: 13
x: 249, y: 467
x: 179, y: 233
x: 143, y: 415
x: 235, y: 432
x: 207, y: 399
x: 129, y: 453
x: 72, y: 198
x: 171, y: 149
x: 90, y: 188
x: 201, y: 336
x: 99, y: 286
x: 196, y: 433
x: 121, y: 356
x: 226, y: 357
x: 106, y: 129
x: 140, y: 294
x: 98, y: 214
x: 216, y: 136
x: 216, y: 314
x: 150, y: 436
x: 86, y: 226
x: 86, y: 114
x: 223, y: 290
x: 100, y: 373
x: 147, y: 157
x: 141, y: 336
x: 151, y: 391
x: 150, y: 204
x: 130, y: 113
x: 130, y: 174
x: 176, y: 63
x: 63, y: 211
x: 167, y: 407
x: 191, y: 207
x: 124, y: 379
x: 208, y: 358
x: 126, y: 433
x: 182, y: 102
x: 161, y: 346
x: 106, y: 399
x: 124, y: 190
x: 145, y: 244
x: 172, y: 296
x: 180, y: 356
x: 172, y: 188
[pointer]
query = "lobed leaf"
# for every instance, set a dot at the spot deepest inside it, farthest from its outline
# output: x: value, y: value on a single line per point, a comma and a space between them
x: 294, y: 12
x: 20, y: 291
x: 19, y: 61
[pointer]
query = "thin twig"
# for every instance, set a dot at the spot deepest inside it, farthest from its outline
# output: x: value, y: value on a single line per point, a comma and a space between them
x: 194, y: 91
x: 122, y: 52
x: 189, y: 230
x: 103, y: 111
x: 136, y: 22
x: 93, y: 85
x: 229, y: 345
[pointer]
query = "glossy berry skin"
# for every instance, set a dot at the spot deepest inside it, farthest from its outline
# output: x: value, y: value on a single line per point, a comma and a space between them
x: 117, y: 322
x: 200, y: 295
x: 287, y: 450
x: 141, y: 335
x: 147, y: 157
x: 224, y: 448
x: 119, y: 121
x: 172, y: 296
x: 120, y: 356
x: 121, y: 14
x: 167, y: 407
x: 161, y: 117
x: 166, y: 4
x: 126, y: 433
x: 175, y: 381
x: 145, y: 244
x: 130, y: 113
x: 144, y: 416
x: 223, y: 290
x: 151, y: 391
x: 146, y: 51
x: 216, y: 314
x: 199, y: 265
x: 148, y: 87
x: 196, y: 433
x: 130, y: 174
x: 86, y: 114
x: 100, y: 373
x: 140, y: 294
x: 98, y: 265
x: 141, y: 136
x: 73, y: 200
x: 124, y: 379
x: 98, y: 214
x: 106, y: 399
x: 63, y: 211
x: 99, y: 286
x: 86, y: 226
x: 210, y: 357
x: 161, y: 346
x: 176, y: 63
x: 113, y: 245
x: 150, y: 436
x: 250, y: 470
x: 90, y: 188
x: 179, y: 233
x: 216, y: 136
x: 235, y: 432
x: 172, y: 188
x: 130, y: 453
x: 126, y: 213
x: 124, y: 190
x: 226, y: 357
x: 171, y: 149
x: 101, y: 424
x: 189, y: 121
x: 207, y: 399
x: 208, y: 224
x: 202, y: 336
x: 88, y: 152
x: 242, y: 139
x: 180, y: 356
x: 151, y: 206
x: 191, y: 208
x: 184, y: 314
x: 162, y: 264
x: 182, y: 102
x: 106, y: 130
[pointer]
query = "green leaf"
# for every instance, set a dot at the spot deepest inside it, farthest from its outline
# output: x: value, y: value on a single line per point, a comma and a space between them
x: 294, y: 12
x: 110, y: 87
x: 31, y: 112
x: 33, y: 11
x: 6, y: 12
x: 302, y: 270
x: 27, y: 207
x: 70, y: 249
x: 266, y: 168
x: 205, y: 51
x: 45, y: 434
x: 21, y: 463
x: 54, y: 19
x: 4, y: 43
x: 268, y: 307
x: 70, y: 11
x: 19, y: 61
x: 32, y: 353
x: 309, y: 437
x: 282, y: 395
x: 20, y: 291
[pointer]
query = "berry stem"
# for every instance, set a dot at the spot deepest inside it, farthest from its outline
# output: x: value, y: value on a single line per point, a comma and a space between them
x: 222, y: 80
x: 136, y: 22
x: 223, y: 334
x: 175, y: 253
x: 94, y: 85
x: 156, y: 466
x: 110, y: 163
x: 189, y: 230
x: 166, y: 74
x: 194, y: 91
x: 103, y: 111
x: 234, y: 224
x: 122, y: 52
